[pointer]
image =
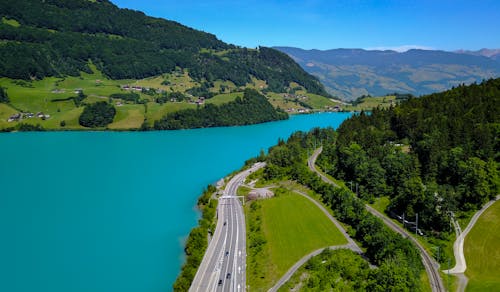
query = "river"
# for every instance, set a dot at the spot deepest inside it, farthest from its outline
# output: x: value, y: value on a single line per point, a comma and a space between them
x: 109, y: 211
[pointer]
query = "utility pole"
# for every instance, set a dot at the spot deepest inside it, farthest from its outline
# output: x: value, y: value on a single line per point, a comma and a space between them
x: 403, y: 219
x: 351, y: 186
x: 416, y: 225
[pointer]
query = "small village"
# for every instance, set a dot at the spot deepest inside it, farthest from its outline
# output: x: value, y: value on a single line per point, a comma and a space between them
x: 21, y: 116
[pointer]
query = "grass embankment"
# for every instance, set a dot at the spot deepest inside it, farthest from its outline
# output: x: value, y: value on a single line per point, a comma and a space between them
x: 197, y: 242
x: 282, y: 230
x: 482, y: 252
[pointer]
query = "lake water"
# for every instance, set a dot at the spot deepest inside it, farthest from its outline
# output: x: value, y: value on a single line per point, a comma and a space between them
x: 108, y: 211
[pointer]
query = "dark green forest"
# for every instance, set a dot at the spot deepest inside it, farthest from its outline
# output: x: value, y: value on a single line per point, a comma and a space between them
x: 431, y: 155
x: 253, y: 108
x: 99, y: 114
x: 61, y: 37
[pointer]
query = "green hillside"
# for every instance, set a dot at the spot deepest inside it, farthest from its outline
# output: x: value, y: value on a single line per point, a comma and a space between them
x: 51, y: 50
x: 429, y: 155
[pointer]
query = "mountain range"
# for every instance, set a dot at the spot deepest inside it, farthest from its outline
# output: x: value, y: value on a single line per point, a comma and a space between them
x: 490, y: 53
x: 350, y: 73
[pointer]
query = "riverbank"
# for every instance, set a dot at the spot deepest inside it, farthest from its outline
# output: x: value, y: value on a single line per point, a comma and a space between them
x: 197, y: 241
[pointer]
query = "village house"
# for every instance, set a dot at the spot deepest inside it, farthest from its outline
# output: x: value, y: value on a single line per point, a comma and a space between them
x: 14, y: 117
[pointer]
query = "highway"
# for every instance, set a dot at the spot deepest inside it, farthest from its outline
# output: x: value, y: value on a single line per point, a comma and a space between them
x: 431, y: 266
x: 223, y: 266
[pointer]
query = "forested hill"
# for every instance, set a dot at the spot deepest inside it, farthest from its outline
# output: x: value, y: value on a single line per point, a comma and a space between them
x: 253, y: 108
x: 40, y: 38
x: 430, y: 155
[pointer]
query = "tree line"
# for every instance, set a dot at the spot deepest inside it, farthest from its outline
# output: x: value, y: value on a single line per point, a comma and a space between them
x: 253, y: 108
x: 197, y: 243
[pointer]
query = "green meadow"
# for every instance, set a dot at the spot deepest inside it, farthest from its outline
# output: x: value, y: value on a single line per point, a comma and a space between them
x: 482, y: 252
x: 293, y: 227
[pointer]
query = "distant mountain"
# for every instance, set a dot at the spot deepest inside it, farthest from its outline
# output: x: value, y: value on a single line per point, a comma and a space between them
x: 43, y: 38
x: 350, y: 73
x: 490, y: 53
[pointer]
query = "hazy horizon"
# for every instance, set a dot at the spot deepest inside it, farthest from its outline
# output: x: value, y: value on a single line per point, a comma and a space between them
x: 322, y: 24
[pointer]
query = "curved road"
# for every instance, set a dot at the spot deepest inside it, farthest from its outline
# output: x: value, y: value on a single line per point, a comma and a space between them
x: 351, y: 245
x: 431, y: 267
x: 224, y: 262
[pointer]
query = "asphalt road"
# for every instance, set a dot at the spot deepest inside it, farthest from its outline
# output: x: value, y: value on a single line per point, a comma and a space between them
x: 223, y: 266
x: 431, y: 266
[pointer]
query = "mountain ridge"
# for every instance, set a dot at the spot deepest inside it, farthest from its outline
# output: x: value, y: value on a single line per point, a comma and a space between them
x: 59, y: 37
x: 350, y: 73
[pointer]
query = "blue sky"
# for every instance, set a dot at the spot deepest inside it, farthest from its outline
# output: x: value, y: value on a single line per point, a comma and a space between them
x: 328, y: 24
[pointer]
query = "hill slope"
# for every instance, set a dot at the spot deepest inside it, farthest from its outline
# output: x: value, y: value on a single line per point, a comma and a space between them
x: 58, y: 56
x: 60, y: 37
x: 349, y: 73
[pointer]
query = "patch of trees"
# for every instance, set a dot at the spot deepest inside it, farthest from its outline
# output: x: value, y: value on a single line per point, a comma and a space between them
x: 430, y: 155
x: 99, y: 114
x: 3, y: 95
x: 174, y: 96
x: 196, y: 244
x: 344, y: 270
x: 58, y: 38
x: 29, y: 128
x: 384, y: 247
x: 251, y: 109
x: 203, y: 90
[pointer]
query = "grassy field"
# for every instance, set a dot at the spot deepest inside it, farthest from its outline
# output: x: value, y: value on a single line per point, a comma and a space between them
x: 224, y: 98
x: 373, y: 102
x: 128, y: 116
x: 482, y: 252
x: 293, y: 227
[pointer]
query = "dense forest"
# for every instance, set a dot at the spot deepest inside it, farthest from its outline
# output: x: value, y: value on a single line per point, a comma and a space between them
x: 431, y: 155
x: 399, y: 265
x: 99, y: 114
x: 60, y: 37
x: 253, y: 108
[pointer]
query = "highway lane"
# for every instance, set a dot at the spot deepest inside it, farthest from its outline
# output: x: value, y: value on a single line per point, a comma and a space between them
x: 223, y: 265
x: 431, y: 266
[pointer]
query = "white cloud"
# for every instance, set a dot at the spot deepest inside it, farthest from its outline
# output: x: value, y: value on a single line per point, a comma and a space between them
x: 401, y: 49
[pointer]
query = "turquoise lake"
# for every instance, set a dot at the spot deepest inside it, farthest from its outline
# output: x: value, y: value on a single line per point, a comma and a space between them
x: 109, y: 211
